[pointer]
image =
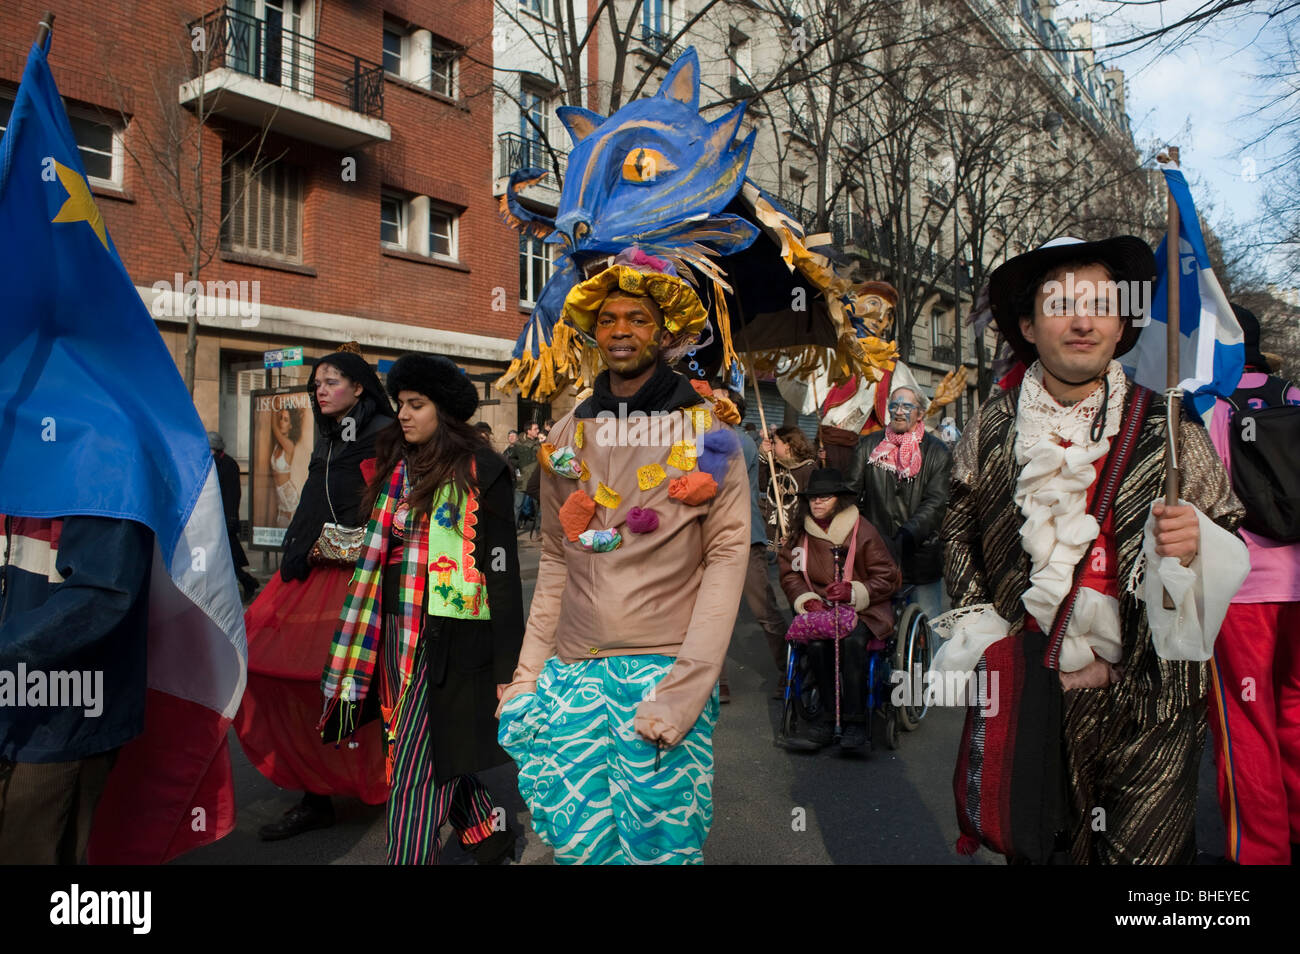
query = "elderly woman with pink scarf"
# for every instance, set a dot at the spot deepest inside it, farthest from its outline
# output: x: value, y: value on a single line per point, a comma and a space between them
x: 900, y: 475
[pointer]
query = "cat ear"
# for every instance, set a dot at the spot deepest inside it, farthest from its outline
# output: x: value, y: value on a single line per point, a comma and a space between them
x: 683, y: 80
x: 579, y: 122
x: 724, y: 130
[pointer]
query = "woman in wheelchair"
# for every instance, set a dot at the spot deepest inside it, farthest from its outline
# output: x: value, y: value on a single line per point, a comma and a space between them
x: 839, y: 577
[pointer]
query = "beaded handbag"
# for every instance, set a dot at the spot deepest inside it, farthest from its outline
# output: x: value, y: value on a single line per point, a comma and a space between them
x: 337, y: 545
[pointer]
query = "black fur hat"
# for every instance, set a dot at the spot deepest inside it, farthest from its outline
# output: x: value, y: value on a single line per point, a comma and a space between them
x: 439, y: 379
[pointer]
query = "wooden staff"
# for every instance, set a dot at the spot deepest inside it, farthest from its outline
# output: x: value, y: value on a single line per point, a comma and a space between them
x: 817, y: 409
x: 43, y: 30
x: 771, y: 457
x: 1173, y: 275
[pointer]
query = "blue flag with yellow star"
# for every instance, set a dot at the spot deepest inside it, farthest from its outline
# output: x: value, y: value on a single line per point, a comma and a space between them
x: 95, y: 420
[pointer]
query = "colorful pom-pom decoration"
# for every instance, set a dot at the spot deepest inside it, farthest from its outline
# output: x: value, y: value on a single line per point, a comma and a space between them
x: 642, y: 520
x: 600, y: 541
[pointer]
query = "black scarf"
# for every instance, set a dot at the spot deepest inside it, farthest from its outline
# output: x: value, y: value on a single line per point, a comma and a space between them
x: 665, y: 390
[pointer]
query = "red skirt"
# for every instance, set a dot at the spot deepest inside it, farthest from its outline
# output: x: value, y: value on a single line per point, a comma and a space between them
x: 290, y: 628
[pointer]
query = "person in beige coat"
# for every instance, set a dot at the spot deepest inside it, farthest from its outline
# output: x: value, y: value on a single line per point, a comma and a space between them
x: 645, y: 544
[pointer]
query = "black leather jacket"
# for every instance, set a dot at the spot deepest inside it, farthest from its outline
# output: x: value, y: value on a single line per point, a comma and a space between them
x: 908, y: 513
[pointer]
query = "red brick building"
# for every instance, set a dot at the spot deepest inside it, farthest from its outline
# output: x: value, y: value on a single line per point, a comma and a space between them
x: 339, y: 186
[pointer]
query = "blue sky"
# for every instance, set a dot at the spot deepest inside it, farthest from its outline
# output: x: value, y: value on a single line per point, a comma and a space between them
x: 1200, y: 93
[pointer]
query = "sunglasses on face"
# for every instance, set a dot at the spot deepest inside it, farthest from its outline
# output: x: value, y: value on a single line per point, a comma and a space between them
x: 907, y: 407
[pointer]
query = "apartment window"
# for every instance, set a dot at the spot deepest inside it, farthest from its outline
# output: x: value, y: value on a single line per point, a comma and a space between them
x: 657, y: 20
x: 392, y: 51
x: 266, y: 40
x: 421, y: 58
x: 535, y: 261
x: 262, y: 208
x: 539, y: 7
x: 392, y: 221
x: 99, y: 142
x: 442, y: 72
x: 418, y: 224
x: 536, y: 108
x: 442, y: 233
x: 939, y: 327
x: 742, y: 59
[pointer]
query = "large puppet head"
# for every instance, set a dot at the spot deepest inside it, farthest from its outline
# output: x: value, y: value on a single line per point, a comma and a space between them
x: 656, y: 175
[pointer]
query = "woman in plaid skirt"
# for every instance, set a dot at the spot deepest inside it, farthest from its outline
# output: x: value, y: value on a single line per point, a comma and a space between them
x: 433, y: 620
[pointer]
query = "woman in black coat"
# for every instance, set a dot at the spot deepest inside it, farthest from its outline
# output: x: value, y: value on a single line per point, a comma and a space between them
x: 434, y: 617
x: 291, y: 625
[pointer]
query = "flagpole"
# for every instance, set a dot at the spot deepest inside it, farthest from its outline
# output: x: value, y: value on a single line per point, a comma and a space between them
x: 1173, y: 275
x: 771, y: 456
x: 46, y: 25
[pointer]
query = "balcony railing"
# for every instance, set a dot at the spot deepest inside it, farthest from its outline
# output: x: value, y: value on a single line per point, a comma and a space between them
x: 273, y: 54
x: 944, y: 351
x: 516, y: 152
x: 740, y: 89
x: 659, y: 44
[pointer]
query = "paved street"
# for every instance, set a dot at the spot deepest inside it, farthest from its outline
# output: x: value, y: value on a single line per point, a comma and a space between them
x: 888, y: 808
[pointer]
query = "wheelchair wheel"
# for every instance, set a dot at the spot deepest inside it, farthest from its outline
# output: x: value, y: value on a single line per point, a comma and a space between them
x: 892, y: 719
x: 913, y: 650
x: 884, y: 724
x: 801, y: 704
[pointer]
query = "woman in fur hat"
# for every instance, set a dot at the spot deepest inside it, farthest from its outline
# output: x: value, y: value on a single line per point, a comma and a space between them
x: 865, y: 577
x: 434, y: 616
x: 291, y: 624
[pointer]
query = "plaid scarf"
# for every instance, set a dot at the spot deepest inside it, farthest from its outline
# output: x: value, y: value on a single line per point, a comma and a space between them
x: 900, y: 453
x: 351, y: 664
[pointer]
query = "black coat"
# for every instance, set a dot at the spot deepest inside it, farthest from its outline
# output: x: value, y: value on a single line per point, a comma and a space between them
x: 346, y: 484
x: 228, y: 481
x: 468, y: 658
x: 908, y: 513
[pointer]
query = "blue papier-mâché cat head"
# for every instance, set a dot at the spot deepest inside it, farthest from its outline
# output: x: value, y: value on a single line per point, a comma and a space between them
x: 656, y: 175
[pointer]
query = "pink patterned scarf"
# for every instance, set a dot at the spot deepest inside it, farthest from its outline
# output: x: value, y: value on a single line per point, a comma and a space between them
x: 900, y: 453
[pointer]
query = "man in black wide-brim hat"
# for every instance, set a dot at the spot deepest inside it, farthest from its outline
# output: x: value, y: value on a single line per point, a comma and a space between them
x: 1087, y: 738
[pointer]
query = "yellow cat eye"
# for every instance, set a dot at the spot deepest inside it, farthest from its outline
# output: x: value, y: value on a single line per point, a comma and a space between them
x: 645, y: 165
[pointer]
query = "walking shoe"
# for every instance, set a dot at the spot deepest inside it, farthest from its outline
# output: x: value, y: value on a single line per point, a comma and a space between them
x: 795, y: 743
x: 724, y: 693
x: 301, y: 818
x: 818, y: 733
x: 496, y: 849
x: 854, y: 737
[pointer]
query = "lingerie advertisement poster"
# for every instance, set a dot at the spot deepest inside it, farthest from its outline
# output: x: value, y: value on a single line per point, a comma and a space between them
x: 282, y: 432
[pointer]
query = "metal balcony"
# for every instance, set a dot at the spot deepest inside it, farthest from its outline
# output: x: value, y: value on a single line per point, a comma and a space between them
x: 740, y: 89
x: 516, y: 152
x: 258, y: 72
x: 945, y: 352
x: 655, y: 43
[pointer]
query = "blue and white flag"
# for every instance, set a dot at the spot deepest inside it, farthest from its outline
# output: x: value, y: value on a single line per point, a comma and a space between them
x: 95, y: 420
x: 1211, y: 352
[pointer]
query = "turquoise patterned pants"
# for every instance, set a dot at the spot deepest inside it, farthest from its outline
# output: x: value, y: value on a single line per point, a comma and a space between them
x: 590, y: 781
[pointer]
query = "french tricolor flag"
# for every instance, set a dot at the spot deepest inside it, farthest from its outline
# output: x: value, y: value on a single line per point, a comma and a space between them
x: 1212, y: 352
x: 95, y: 420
